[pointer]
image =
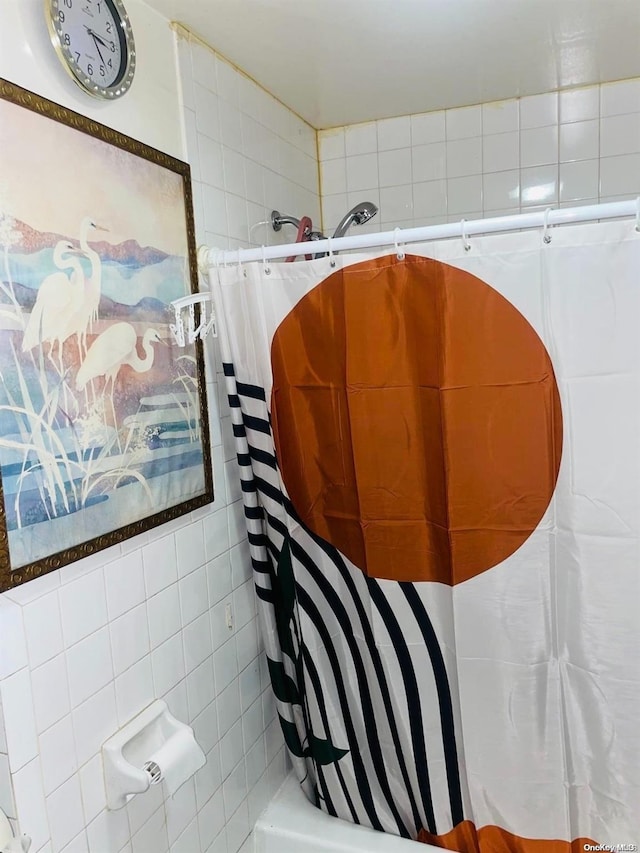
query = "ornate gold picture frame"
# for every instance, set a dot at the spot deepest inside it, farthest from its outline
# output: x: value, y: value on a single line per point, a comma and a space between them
x: 103, y: 418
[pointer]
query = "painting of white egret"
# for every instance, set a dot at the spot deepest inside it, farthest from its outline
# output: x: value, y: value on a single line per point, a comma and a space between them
x: 103, y: 425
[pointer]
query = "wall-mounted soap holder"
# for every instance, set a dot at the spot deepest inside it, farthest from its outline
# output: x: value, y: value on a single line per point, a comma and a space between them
x: 152, y: 747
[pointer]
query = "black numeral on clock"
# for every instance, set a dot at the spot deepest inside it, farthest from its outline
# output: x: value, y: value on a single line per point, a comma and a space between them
x: 108, y: 27
x: 90, y: 70
x: 61, y: 16
x: 102, y: 71
x: 68, y: 4
x: 67, y: 39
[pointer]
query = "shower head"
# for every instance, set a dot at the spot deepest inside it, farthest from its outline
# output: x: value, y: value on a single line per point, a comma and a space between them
x: 358, y: 215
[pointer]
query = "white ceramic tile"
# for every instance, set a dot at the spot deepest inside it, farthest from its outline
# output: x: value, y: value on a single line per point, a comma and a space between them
x: 189, y: 840
x: 249, y: 684
x: 396, y: 203
x: 394, y: 133
x: 231, y: 748
x: 241, y: 570
x: 579, y: 180
x: 228, y: 81
x: 215, y: 210
x: 190, y: 548
x: 580, y: 104
x: 43, y: 628
x: 7, y: 802
x: 361, y: 139
x: 230, y: 125
x: 108, y: 832
x: 394, y: 167
x: 500, y: 117
x: 211, y: 819
x: 620, y: 134
x: 244, y: 604
x: 225, y: 664
x: 134, y: 690
x: 89, y: 666
x: 238, y: 828
x: 256, y: 761
x: 228, y: 707
x: 180, y: 809
x: 501, y: 152
x: 207, y: 120
x: 197, y: 642
x: 79, y: 844
x: 164, y: 615
x: 463, y: 122
x: 210, y: 158
x: 620, y: 175
x: 141, y: 809
x: 429, y: 162
x: 94, y: 721
x: 362, y: 172
x: 464, y: 194
x: 427, y: 128
x: 203, y: 64
x: 92, y: 788
x: 620, y: 97
x: 220, y: 631
x: 501, y: 190
x: 579, y: 140
x: 273, y: 739
x: 66, y: 818
x: 193, y: 595
x: 124, y: 579
x: 129, y: 638
x: 160, y: 567
x: 234, y: 788
x: 539, y: 185
x: 464, y: 157
x: 57, y: 754
x: 218, y: 578
x: 333, y: 176
x: 331, y: 143
x: 236, y: 520
x: 247, y: 644
x: 13, y: 651
x: 30, y: 803
x: 153, y: 835
x: 19, y: 721
x: 539, y: 110
x: 167, y: 662
x: 200, y: 688
x: 83, y: 606
x: 539, y: 146
x: 238, y: 225
x: 216, y: 535
x: 209, y: 778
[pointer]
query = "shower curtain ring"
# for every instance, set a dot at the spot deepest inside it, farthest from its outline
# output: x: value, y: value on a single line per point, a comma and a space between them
x: 465, y: 240
x: 267, y: 270
x: 546, y: 237
x: 332, y: 260
x: 638, y: 213
x: 399, y: 251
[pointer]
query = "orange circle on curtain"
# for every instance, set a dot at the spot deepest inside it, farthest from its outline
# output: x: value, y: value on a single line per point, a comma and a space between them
x: 416, y: 419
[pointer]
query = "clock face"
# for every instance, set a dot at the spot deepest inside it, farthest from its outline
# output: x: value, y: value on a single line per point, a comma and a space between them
x: 94, y: 40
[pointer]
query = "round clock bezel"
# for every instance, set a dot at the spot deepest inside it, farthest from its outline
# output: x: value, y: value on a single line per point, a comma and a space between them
x: 66, y: 57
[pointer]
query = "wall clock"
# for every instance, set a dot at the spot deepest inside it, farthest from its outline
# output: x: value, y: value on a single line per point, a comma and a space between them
x: 94, y: 42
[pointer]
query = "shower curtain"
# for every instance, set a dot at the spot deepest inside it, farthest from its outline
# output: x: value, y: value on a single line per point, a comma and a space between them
x: 440, y: 468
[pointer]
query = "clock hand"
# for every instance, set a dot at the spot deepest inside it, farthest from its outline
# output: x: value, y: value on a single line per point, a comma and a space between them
x: 95, y: 41
x: 95, y: 35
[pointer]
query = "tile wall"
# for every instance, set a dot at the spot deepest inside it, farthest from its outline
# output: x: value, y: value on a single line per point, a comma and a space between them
x: 86, y: 648
x: 573, y: 148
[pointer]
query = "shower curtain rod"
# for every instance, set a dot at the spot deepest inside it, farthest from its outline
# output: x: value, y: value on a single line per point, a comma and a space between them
x: 198, y: 327
x: 210, y: 257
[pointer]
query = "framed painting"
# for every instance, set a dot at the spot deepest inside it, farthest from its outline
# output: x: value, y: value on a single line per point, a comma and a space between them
x: 103, y: 418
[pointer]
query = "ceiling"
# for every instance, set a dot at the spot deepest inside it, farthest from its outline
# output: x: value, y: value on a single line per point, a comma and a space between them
x: 344, y: 61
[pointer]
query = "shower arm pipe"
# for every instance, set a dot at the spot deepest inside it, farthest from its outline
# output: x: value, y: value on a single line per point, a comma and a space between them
x: 210, y: 257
